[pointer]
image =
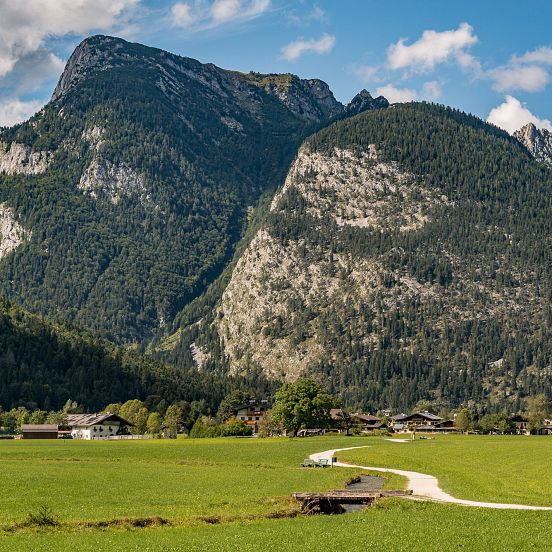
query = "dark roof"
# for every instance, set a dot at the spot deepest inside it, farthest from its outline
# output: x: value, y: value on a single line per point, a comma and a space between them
x: 93, y: 419
x: 367, y: 417
x: 38, y: 428
x: 253, y: 405
x: 398, y: 416
x: 425, y: 415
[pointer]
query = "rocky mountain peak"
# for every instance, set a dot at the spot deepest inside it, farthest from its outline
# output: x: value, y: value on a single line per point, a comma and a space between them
x: 537, y: 141
x: 92, y: 54
x: 364, y: 101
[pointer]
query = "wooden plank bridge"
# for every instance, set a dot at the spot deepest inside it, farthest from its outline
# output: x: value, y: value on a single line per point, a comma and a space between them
x: 332, y: 501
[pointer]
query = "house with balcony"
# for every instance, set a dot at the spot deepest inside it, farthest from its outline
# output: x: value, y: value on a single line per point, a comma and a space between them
x: 252, y: 413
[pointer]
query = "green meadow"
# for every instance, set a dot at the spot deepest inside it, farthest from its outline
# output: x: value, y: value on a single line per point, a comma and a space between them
x: 234, y: 494
x: 496, y: 468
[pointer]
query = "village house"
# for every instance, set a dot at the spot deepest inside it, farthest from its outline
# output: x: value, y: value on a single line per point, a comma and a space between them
x: 252, y: 413
x: 360, y: 421
x: 96, y: 426
x: 39, y: 431
x: 520, y: 424
x: 421, y: 421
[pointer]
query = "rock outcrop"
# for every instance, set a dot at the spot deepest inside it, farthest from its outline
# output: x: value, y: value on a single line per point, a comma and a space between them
x: 537, y: 141
x: 21, y: 159
x: 12, y: 234
x: 364, y: 101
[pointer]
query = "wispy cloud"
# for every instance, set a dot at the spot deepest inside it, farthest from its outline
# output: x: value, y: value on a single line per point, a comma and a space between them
x: 431, y: 90
x: 528, y: 72
x: 397, y: 95
x: 434, y: 48
x: 530, y: 78
x: 24, y: 26
x: 511, y: 115
x: 200, y: 15
x: 26, y: 29
x: 13, y: 110
x: 365, y: 73
x: 294, y: 50
x: 314, y: 14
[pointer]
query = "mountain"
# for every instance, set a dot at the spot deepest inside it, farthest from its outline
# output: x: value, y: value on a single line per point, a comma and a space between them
x: 124, y: 197
x: 44, y: 364
x: 364, y: 101
x: 538, y: 142
x: 407, y: 256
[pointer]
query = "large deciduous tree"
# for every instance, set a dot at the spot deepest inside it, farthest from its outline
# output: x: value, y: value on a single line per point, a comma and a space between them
x: 303, y: 404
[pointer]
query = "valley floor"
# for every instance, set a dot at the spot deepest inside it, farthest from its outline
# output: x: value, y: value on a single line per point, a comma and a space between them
x: 234, y: 494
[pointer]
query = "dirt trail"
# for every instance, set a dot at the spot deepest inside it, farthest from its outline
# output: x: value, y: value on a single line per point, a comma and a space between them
x: 424, y: 487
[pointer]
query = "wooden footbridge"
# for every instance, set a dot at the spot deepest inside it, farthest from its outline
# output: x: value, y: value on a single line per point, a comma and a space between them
x: 333, y: 501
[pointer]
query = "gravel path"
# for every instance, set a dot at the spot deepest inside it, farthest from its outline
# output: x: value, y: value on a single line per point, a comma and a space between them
x: 424, y: 487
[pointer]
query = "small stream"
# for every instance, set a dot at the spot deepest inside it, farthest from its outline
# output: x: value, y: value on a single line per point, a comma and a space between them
x: 367, y: 483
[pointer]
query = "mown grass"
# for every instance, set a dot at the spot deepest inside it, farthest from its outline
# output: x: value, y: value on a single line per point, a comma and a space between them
x: 218, y: 495
x: 179, y: 479
x: 511, y: 469
x: 397, y: 526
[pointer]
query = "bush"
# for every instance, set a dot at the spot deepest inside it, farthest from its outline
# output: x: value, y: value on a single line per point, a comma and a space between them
x: 43, y: 517
x: 207, y: 427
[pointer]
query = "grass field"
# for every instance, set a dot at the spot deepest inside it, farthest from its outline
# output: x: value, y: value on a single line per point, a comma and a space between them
x: 216, y: 495
x: 496, y: 468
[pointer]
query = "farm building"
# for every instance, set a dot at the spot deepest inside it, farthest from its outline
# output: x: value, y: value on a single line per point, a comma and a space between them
x: 39, y: 431
x: 96, y: 426
x: 252, y: 413
x: 361, y: 421
x: 419, y: 421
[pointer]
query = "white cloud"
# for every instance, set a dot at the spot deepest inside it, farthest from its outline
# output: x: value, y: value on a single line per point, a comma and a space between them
x: 294, y: 50
x: 432, y: 49
x: 531, y: 78
x: 24, y: 26
x: 199, y: 15
x: 527, y: 72
x: 365, y: 73
x: 14, y: 111
x: 397, y: 95
x: 431, y: 90
x: 540, y: 55
x: 511, y: 115
x: 182, y: 15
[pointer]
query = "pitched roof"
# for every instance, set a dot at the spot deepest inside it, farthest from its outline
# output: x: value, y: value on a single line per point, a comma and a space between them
x: 93, y: 419
x: 426, y: 415
x: 253, y: 405
x: 37, y: 428
x: 367, y: 418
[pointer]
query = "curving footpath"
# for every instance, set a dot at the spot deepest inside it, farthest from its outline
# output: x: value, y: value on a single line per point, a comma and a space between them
x: 424, y: 487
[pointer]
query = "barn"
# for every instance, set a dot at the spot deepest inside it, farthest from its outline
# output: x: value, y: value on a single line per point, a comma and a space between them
x: 39, y: 431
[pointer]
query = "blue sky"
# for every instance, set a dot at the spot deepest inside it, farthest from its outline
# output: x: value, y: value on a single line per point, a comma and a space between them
x: 493, y: 59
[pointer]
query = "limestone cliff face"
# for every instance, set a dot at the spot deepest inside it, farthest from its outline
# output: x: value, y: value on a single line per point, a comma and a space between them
x: 12, y: 234
x: 282, y: 294
x: 537, y: 141
x: 310, y: 99
x: 297, y: 290
x: 21, y: 159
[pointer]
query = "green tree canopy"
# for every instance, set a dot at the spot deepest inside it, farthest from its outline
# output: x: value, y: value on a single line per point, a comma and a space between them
x: 231, y: 401
x: 303, y: 404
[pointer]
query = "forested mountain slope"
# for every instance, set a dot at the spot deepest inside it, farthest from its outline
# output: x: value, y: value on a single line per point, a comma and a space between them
x: 42, y: 365
x: 407, y: 256
x: 123, y: 198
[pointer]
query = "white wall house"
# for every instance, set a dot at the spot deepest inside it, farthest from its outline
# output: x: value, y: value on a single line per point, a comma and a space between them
x: 95, y: 426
